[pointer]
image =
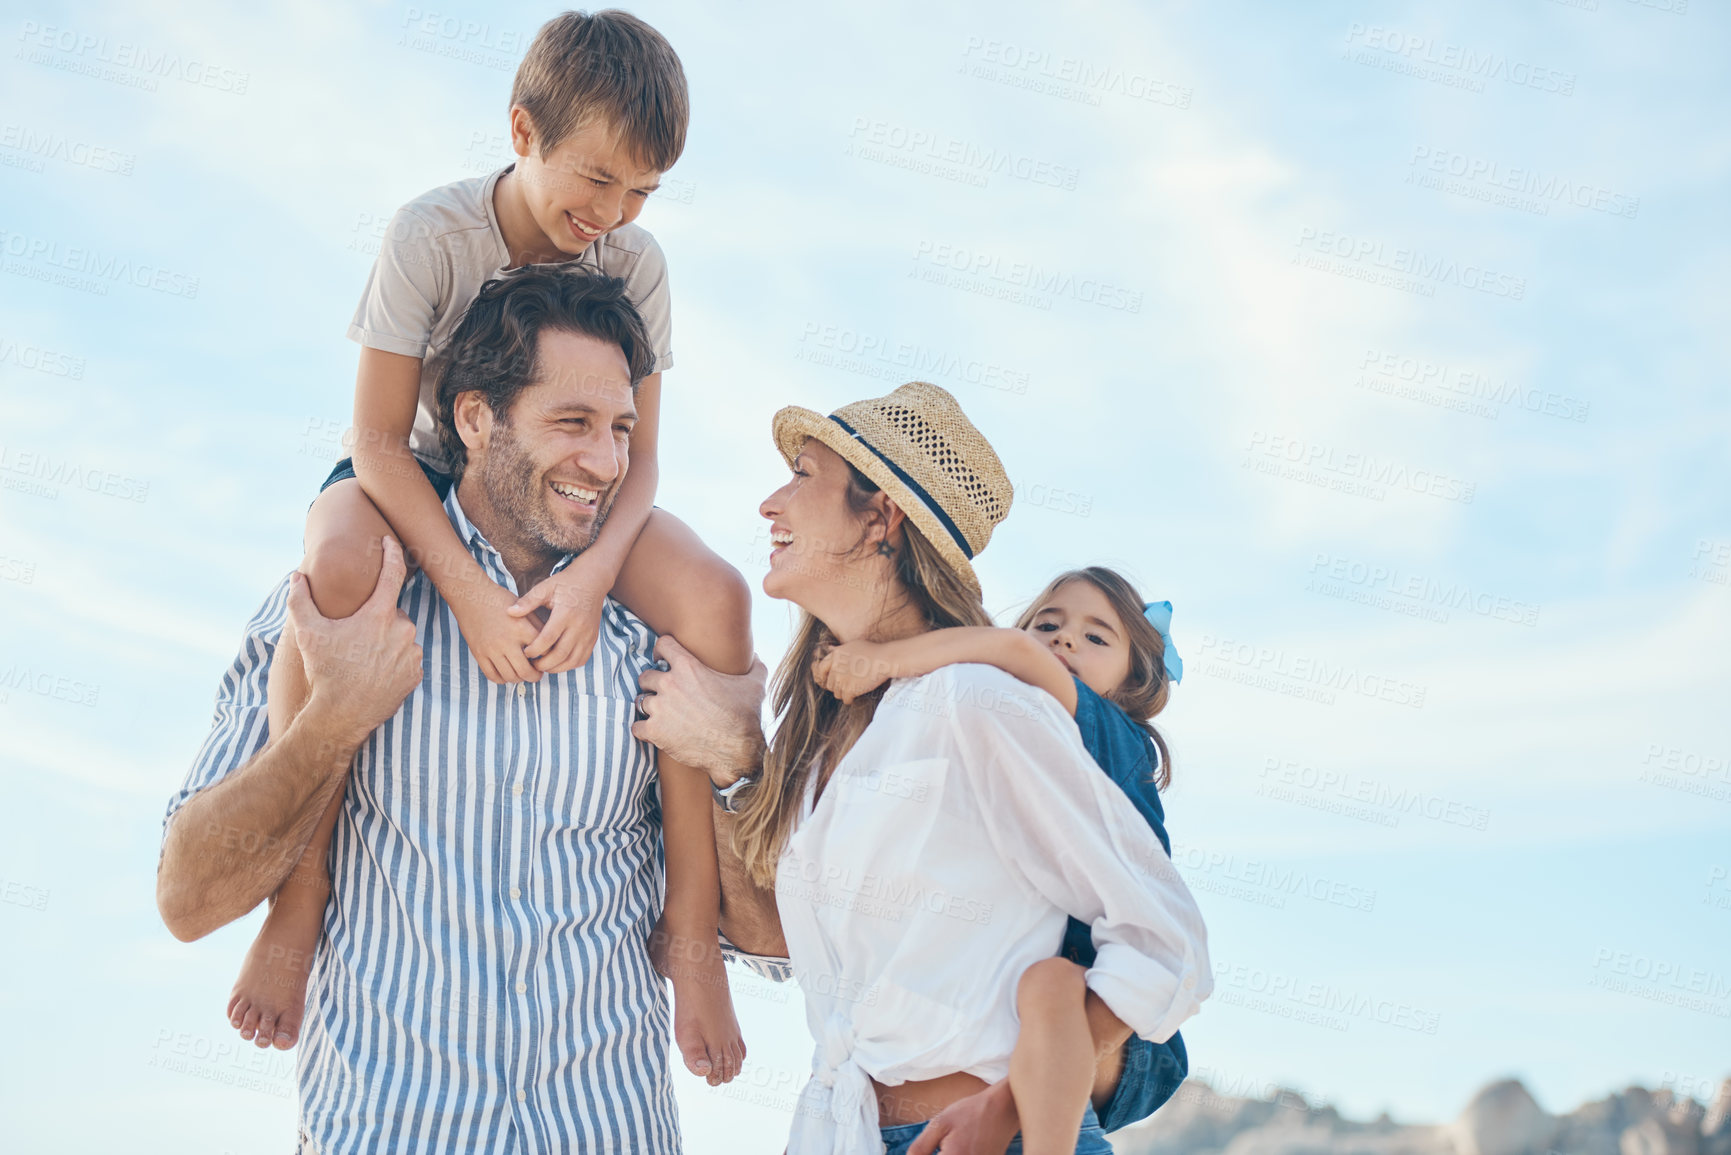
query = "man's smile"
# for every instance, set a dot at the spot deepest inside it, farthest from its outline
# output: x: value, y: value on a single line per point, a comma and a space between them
x: 576, y: 494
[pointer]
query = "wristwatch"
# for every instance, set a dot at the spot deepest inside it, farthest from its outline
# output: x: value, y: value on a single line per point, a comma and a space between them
x: 727, y: 797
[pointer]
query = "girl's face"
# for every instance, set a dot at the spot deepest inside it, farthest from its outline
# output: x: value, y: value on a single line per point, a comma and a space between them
x: 1086, y: 633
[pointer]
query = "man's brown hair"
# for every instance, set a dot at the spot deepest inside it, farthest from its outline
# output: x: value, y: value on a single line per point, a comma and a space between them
x: 609, y: 67
x: 495, y: 349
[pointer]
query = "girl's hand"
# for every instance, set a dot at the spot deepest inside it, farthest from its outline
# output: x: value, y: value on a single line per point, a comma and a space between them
x: 852, y: 669
x: 572, y: 599
x: 495, y: 637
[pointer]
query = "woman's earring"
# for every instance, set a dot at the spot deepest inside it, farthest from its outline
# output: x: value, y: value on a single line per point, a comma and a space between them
x: 884, y: 549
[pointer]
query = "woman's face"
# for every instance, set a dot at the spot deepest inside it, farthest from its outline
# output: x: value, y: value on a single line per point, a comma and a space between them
x: 1086, y: 633
x: 813, y: 534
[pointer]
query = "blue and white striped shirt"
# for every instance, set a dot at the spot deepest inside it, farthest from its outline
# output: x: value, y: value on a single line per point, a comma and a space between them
x: 483, y: 983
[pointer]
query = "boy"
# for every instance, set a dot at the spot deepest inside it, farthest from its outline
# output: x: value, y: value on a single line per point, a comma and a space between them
x: 599, y: 111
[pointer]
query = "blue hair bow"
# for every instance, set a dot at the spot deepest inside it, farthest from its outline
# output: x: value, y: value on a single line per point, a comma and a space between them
x: 1159, y: 615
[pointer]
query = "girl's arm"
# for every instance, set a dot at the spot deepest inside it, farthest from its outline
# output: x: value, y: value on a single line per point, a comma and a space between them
x: 387, y: 388
x: 856, y: 668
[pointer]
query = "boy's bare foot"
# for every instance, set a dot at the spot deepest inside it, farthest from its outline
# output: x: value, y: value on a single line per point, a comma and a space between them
x: 270, y: 996
x: 704, y: 1026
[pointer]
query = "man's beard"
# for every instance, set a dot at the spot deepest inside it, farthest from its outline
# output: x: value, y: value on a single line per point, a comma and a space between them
x: 512, y: 482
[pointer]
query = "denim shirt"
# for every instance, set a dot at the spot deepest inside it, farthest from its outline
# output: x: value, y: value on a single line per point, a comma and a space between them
x: 1152, y: 1071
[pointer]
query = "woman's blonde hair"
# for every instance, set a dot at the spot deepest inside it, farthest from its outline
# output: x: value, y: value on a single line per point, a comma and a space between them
x: 814, y: 730
x: 1143, y: 692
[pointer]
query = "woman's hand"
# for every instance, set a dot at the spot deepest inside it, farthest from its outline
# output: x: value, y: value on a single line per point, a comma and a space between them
x: 853, y: 668
x: 981, y: 1124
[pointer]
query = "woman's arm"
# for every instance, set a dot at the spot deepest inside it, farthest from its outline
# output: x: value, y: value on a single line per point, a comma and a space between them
x: 856, y: 668
x: 992, y: 1112
x: 1073, y: 837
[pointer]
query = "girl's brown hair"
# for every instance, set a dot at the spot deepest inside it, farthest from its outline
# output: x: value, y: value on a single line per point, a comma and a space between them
x: 1143, y: 692
x: 814, y: 730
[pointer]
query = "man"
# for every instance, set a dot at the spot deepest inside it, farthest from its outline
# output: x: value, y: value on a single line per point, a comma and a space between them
x: 483, y: 983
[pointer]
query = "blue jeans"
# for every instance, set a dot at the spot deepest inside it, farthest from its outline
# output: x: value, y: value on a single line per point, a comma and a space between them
x: 1151, y: 1073
x: 1091, y: 1140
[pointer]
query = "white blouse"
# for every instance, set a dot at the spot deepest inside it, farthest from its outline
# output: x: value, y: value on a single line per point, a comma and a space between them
x: 940, y: 862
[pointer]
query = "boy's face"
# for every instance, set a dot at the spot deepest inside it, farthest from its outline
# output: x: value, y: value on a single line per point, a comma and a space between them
x: 589, y: 185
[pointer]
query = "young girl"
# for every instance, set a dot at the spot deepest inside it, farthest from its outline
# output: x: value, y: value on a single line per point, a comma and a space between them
x: 599, y: 110
x: 1091, y: 642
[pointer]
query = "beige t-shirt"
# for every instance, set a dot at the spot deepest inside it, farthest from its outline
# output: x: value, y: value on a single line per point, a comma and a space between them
x: 440, y: 249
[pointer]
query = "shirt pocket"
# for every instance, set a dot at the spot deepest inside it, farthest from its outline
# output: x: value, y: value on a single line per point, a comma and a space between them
x: 593, y: 773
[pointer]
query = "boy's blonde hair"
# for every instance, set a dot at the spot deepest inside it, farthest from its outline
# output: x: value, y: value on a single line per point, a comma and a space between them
x: 609, y: 67
x: 1144, y: 690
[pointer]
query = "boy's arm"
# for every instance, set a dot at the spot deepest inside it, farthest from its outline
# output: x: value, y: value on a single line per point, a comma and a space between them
x: 574, y: 615
x: 869, y: 664
x: 387, y: 387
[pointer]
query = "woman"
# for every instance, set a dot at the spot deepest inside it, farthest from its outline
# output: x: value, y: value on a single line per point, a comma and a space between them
x: 927, y: 842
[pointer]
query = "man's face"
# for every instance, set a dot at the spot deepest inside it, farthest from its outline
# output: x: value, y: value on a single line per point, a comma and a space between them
x: 589, y: 185
x: 552, y: 467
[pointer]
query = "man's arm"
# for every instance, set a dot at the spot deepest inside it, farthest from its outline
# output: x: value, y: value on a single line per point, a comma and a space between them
x: 232, y: 844
x: 749, y: 917
x: 713, y: 722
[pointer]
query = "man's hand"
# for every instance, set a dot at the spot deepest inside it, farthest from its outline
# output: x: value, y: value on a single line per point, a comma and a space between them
x: 236, y: 840
x: 701, y: 718
x: 573, y: 599
x: 982, y: 1124
x: 359, y: 668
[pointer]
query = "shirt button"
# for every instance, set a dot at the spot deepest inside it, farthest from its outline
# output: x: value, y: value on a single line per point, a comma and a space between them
x: 516, y: 790
x: 522, y: 989
x: 522, y: 688
x: 521, y: 1095
x: 1190, y: 983
x: 517, y: 892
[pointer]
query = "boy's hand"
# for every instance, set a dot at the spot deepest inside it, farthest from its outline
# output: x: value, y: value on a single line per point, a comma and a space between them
x: 572, y: 599
x: 852, y: 669
x: 496, y: 636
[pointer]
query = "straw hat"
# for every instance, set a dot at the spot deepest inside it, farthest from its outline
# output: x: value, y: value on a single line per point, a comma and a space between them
x: 919, y: 447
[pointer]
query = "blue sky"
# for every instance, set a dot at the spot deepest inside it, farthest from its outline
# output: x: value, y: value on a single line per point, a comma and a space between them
x: 1386, y: 341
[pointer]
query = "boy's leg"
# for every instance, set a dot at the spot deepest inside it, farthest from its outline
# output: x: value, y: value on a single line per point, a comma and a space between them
x: 269, y: 997
x: 683, y: 944
x: 678, y: 586
x: 1052, y: 1067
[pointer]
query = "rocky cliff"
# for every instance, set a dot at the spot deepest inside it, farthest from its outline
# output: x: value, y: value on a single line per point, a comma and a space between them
x: 1502, y: 1119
